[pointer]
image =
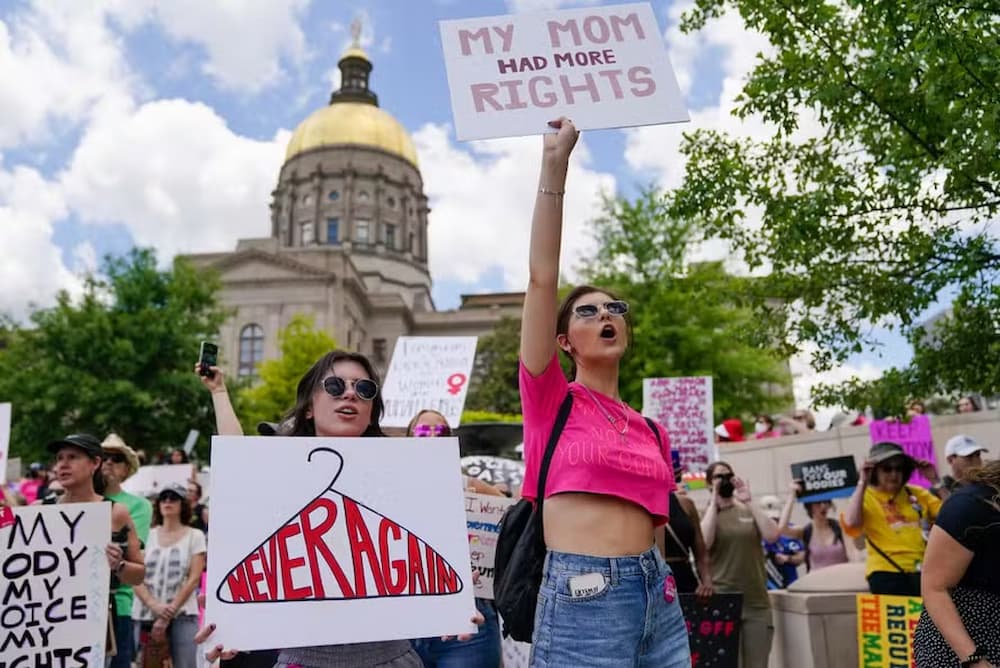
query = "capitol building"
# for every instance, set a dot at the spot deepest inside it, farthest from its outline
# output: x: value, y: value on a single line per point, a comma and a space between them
x: 348, y: 242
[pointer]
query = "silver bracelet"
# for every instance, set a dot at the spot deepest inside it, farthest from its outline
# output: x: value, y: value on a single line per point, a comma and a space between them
x: 554, y: 193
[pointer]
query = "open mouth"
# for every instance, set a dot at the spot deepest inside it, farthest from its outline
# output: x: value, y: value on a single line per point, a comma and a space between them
x: 608, y: 332
x: 347, y: 410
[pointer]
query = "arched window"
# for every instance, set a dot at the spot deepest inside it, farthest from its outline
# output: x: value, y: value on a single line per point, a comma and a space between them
x: 251, y: 349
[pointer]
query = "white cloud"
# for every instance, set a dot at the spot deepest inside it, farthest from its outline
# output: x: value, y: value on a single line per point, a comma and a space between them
x: 804, y: 379
x: 482, y: 199
x: 176, y: 175
x: 85, y: 258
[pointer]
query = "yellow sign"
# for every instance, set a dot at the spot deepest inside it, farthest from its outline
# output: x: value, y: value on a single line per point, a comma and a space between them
x: 885, y: 630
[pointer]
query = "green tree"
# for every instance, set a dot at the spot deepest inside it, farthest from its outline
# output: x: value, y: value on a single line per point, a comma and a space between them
x: 301, y: 345
x: 687, y: 318
x: 869, y: 218
x: 119, y: 358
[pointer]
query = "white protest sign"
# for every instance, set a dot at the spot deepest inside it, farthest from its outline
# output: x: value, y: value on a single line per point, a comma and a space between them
x: 4, y: 439
x: 604, y: 67
x: 337, y: 540
x: 684, y: 407
x: 149, y: 480
x: 54, y: 593
x: 428, y: 372
x: 494, y: 470
x: 482, y: 515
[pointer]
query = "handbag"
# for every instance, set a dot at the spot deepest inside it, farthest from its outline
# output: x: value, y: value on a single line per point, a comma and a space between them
x: 520, y: 550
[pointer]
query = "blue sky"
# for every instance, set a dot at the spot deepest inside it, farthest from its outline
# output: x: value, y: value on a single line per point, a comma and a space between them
x: 164, y: 124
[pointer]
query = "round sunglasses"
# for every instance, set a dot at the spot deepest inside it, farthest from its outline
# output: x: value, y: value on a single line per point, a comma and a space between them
x: 617, y: 308
x: 365, y: 388
x: 425, y: 430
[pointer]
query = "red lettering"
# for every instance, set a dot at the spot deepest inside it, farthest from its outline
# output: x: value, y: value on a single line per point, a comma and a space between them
x: 237, y: 583
x: 396, y: 585
x: 255, y: 578
x: 313, y: 537
x: 362, y: 549
x: 269, y: 563
x: 291, y: 593
x: 447, y: 577
x: 430, y: 559
x: 417, y: 576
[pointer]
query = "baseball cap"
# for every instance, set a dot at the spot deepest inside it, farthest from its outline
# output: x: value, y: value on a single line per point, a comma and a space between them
x: 963, y: 446
x: 89, y: 444
x: 173, y: 488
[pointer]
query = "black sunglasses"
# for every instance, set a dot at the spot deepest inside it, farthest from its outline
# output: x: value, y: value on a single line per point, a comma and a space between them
x: 115, y: 457
x: 894, y: 468
x: 170, y: 496
x: 365, y: 388
x: 617, y: 308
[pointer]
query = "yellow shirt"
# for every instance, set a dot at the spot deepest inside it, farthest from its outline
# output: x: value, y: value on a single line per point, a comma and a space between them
x: 892, y: 522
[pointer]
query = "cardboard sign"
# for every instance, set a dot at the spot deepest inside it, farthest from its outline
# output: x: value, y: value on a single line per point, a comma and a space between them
x: 885, y: 630
x: 482, y: 517
x: 825, y: 479
x: 915, y: 436
x: 604, y: 67
x: 54, y: 590
x: 4, y: 439
x: 149, y: 480
x: 494, y: 470
x: 337, y: 540
x: 428, y: 372
x: 684, y: 407
x: 714, y: 629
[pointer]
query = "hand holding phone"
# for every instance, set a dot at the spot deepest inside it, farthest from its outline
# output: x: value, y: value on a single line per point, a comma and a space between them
x: 207, y: 358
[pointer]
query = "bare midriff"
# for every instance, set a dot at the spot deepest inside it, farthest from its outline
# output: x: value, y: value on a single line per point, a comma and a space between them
x: 596, y: 525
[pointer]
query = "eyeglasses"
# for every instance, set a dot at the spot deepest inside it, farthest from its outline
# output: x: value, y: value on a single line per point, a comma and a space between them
x: 425, y: 430
x: 365, y: 388
x: 115, y: 457
x: 893, y: 468
x: 617, y: 308
x: 723, y: 476
x: 173, y: 498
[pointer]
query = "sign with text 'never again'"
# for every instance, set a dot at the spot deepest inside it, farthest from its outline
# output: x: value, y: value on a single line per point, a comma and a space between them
x: 604, y: 67
x: 335, y: 540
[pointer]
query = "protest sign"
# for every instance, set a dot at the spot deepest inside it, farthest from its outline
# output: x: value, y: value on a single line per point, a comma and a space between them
x: 604, y: 67
x: 149, y: 480
x: 713, y: 629
x: 428, y: 372
x: 825, y: 479
x: 915, y: 437
x: 885, y: 629
x: 684, y: 407
x: 4, y: 439
x: 494, y: 470
x: 337, y: 540
x: 54, y: 590
x: 482, y: 517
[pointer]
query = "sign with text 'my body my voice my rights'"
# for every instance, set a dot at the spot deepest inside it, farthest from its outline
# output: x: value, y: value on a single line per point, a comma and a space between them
x: 54, y: 585
x: 604, y: 67
x: 428, y: 372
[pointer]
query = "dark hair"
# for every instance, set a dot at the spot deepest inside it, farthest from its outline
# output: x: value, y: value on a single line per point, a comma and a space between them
x: 909, y: 466
x: 768, y: 419
x: 313, y: 381
x: 711, y: 470
x: 812, y: 504
x: 198, y: 485
x: 185, y: 511
x: 416, y: 419
x: 184, y: 457
x: 974, y: 401
x: 565, y: 313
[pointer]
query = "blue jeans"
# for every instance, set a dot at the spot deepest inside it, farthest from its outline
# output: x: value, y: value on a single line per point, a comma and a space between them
x: 125, y: 642
x: 626, y: 620
x: 482, y: 651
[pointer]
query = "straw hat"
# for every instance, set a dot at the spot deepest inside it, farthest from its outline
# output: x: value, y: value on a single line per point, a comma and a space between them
x: 114, y: 443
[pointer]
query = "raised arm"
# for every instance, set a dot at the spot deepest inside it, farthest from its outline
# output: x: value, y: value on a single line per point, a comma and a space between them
x: 226, y: 422
x: 709, y: 520
x: 854, y: 516
x: 798, y: 533
x: 538, y: 321
x: 768, y: 528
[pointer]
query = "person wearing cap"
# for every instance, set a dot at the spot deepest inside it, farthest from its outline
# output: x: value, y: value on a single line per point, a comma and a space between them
x: 784, y: 554
x: 963, y: 454
x: 166, y: 607
x: 79, y: 459
x: 730, y: 431
x: 119, y: 464
x: 34, y: 485
x: 894, y: 517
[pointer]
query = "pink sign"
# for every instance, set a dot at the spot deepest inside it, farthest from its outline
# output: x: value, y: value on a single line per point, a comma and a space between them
x: 684, y: 407
x: 915, y: 437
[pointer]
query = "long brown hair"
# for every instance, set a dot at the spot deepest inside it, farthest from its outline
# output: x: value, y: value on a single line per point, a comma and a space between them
x: 416, y: 419
x: 313, y: 381
x: 565, y: 314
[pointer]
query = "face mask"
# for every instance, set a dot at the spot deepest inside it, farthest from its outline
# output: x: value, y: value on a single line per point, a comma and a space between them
x: 726, y: 489
x: 760, y: 428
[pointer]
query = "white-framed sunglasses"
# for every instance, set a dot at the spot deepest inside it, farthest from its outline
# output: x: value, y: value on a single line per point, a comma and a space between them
x: 616, y: 308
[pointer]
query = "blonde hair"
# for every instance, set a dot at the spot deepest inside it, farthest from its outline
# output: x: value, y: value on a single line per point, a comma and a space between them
x: 431, y: 411
x: 989, y: 475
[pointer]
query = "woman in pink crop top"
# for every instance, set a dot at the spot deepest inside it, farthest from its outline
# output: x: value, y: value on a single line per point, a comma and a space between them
x: 607, y: 596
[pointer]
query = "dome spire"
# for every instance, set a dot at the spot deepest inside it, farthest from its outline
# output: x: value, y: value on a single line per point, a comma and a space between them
x: 355, y: 69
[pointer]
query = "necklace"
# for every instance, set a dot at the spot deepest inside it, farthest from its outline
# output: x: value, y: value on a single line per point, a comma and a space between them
x: 611, y: 418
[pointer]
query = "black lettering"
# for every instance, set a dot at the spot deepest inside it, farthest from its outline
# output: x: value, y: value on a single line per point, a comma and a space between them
x: 73, y: 559
x: 13, y: 591
x: 27, y: 538
x: 72, y: 524
x: 78, y: 607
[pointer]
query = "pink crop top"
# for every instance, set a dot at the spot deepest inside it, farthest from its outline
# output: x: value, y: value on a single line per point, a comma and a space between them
x: 591, y: 455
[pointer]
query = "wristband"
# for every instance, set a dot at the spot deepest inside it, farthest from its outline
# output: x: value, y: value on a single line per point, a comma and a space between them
x: 120, y: 567
x: 555, y: 193
x: 974, y: 658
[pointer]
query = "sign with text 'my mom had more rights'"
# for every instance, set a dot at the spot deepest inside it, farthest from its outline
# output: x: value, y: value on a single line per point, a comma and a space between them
x: 428, y: 372
x: 603, y: 67
x: 325, y: 541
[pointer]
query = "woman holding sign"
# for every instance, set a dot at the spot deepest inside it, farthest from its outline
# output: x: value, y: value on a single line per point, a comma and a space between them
x: 607, y: 596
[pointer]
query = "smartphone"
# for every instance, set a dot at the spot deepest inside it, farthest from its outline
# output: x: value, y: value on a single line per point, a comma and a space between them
x: 207, y: 358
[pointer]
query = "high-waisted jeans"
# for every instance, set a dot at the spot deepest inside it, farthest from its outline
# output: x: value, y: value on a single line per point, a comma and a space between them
x: 633, y: 619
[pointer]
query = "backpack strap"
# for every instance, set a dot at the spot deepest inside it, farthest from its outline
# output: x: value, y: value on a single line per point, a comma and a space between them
x: 807, y: 534
x: 550, y: 448
x: 656, y: 433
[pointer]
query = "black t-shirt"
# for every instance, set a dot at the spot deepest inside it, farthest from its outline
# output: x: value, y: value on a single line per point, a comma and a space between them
x: 971, y: 517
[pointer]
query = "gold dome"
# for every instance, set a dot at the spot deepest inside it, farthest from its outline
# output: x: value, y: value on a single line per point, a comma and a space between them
x: 352, y: 123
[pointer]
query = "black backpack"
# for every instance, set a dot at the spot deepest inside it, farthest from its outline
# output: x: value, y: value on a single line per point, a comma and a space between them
x: 520, y: 552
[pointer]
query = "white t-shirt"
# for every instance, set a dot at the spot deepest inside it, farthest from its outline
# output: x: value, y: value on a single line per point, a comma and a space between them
x: 167, y: 568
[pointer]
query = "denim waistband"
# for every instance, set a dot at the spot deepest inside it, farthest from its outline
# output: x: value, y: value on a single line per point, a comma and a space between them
x: 644, y: 564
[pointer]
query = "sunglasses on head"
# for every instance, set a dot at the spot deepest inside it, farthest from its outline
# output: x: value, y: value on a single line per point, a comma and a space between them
x: 115, y: 457
x: 723, y: 476
x: 365, y: 388
x: 616, y: 308
x: 424, y: 430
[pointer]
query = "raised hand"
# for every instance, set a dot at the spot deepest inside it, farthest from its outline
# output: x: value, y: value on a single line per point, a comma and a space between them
x: 560, y: 144
x: 216, y: 382
x: 742, y: 493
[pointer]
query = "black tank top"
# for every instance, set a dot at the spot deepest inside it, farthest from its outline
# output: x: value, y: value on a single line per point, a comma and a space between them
x: 680, y: 522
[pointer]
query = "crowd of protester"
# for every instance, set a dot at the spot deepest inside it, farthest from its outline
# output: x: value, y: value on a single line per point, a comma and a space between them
x: 620, y: 521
